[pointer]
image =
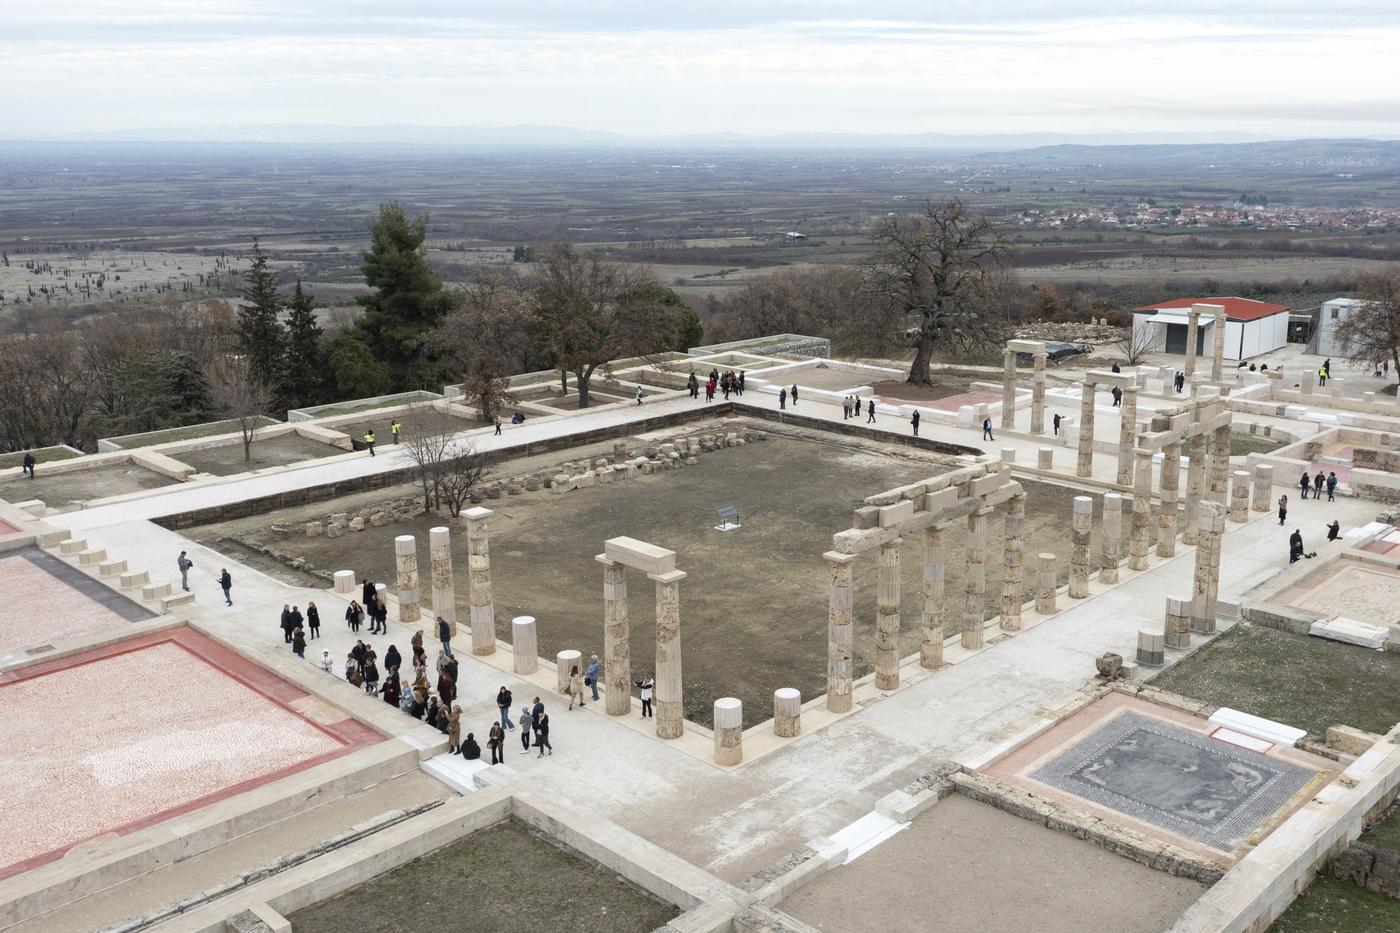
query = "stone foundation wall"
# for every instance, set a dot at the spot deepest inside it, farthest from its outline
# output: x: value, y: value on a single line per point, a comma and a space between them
x: 1372, y: 867
x: 1368, y: 458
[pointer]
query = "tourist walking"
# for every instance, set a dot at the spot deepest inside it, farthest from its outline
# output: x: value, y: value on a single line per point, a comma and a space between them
x: 693, y: 384
x: 1055, y: 423
x: 575, y: 687
x: 1180, y: 382
x: 184, y: 563
x: 503, y: 701
x: 495, y: 740
x: 454, y: 730
x: 1117, y: 394
x: 1319, y: 481
x: 646, y: 685
x: 914, y: 421
x: 371, y: 672
x: 845, y: 408
x: 1305, y: 484
x: 870, y: 412
x: 590, y: 677
x: 639, y: 395
x: 987, y: 430
x: 1331, y: 487
x: 498, y: 426
x: 445, y: 635
x: 392, y: 689
x: 1282, y: 509
x: 369, y: 442
x: 354, y: 615
x: 313, y: 620
x: 857, y: 406
x: 299, y: 643
x: 226, y: 584
x: 542, y: 733
x: 782, y: 398
x: 527, y: 723
x: 27, y: 465
x: 794, y: 395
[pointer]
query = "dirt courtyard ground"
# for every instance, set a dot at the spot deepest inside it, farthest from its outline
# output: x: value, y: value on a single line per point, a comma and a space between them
x: 977, y: 868
x: 276, y: 451
x: 754, y: 607
x: 62, y: 490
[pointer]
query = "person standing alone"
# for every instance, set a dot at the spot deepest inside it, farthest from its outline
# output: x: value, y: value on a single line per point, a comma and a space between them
x: 226, y: 584
x: 27, y: 465
x: 914, y: 420
x: 184, y: 563
x: 987, y: 430
x: 369, y: 442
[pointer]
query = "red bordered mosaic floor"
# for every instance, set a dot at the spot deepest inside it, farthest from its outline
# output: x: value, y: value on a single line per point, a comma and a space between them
x: 119, y: 738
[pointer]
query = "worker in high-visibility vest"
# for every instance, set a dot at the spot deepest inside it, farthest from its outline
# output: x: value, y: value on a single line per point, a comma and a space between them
x: 369, y: 441
x: 394, y: 430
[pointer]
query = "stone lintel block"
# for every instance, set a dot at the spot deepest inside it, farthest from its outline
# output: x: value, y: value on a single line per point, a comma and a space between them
x: 942, y: 499
x: 894, y: 515
x: 670, y: 576
x: 476, y: 514
x: 605, y: 560
x: 984, y: 485
x: 1004, y: 493
x: 640, y: 555
x: 838, y: 557
x: 867, y: 516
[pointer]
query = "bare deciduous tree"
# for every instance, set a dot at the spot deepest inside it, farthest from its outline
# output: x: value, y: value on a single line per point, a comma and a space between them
x: 1138, y: 342
x: 1370, y: 334
x: 930, y: 266
x: 447, y: 464
x: 489, y: 338
x: 241, y: 396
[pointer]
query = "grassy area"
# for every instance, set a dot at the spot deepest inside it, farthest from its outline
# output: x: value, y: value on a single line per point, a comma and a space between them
x: 1244, y: 444
x: 1333, y: 906
x: 1306, y: 682
x: 190, y: 433
x: 1386, y: 833
x: 42, y: 455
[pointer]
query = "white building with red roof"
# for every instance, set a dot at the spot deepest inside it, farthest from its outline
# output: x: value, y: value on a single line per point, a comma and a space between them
x: 1252, y: 328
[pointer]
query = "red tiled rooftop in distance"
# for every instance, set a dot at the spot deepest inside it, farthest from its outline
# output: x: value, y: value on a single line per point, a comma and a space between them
x: 1236, y: 309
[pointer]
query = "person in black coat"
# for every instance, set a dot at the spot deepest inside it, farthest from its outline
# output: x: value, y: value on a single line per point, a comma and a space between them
x: 470, y: 750
x: 297, y: 618
x: 313, y: 620
x: 367, y: 592
x: 286, y: 624
x: 445, y: 635
x: 542, y: 732
x: 392, y: 659
x: 298, y: 642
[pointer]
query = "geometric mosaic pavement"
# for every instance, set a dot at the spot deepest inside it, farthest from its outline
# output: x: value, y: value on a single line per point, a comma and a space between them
x: 1176, y: 779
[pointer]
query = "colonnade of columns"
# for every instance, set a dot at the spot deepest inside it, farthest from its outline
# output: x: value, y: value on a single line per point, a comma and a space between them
x: 1008, y: 384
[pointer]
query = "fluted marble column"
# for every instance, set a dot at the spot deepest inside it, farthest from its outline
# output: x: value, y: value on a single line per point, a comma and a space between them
x: 1038, y: 396
x: 1140, y: 537
x: 887, y: 618
x: 479, y: 599
x: 1220, y: 465
x: 838, y: 633
x: 406, y: 565
x: 1193, y: 325
x: 729, y: 731
x: 1046, y: 584
x: 1013, y: 560
x: 931, y: 618
x: 617, y: 647
x: 1081, y: 530
x: 1008, y: 390
x: 1217, y: 357
x: 974, y: 610
x: 1110, y: 555
x: 1167, y: 513
x: 1207, y: 571
x: 1195, y: 486
x: 1127, y: 436
x: 787, y: 712
x: 1263, y: 487
x: 670, y: 698
x: 1085, y: 464
x: 444, y: 592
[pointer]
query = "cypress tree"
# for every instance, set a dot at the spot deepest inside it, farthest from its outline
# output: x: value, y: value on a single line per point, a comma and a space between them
x: 260, y: 332
x: 305, y: 378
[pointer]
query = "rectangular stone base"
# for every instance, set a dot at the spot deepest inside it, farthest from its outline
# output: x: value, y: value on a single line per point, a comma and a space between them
x: 1350, y: 631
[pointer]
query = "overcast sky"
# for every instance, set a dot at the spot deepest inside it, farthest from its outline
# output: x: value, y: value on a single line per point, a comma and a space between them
x: 1278, y: 68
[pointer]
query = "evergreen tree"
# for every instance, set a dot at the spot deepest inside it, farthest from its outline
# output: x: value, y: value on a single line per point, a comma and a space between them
x: 305, y: 379
x: 261, y: 335
x: 408, y: 300
x: 356, y: 372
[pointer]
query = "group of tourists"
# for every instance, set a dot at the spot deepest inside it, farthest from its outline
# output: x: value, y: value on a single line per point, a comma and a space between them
x: 725, y: 382
x: 295, y: 627
x: 185, y: 565
x: 851, y: 406
x: 373, y: 608
x: 1314, y: 484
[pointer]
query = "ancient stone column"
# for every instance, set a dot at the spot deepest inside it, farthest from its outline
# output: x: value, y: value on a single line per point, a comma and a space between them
x: 564, y: 662
x: 1008, y: 390
x: 1193, y: 323
x: 1109, y: 558
x: 670, y: 706
x: 406, y: 563
x: 887, y: 618
x: 1140, y: 537
x: 1038, y: 396
x: 729, y: 731
x: 619, y: 453
x: 479, y: 600
x: 838, y: 633
x: 1081, y: 530
x: 1239, y: 496
x: 1151, y: 648
x: 1263, y: 487
x: 524, y: 645
x: 1210, y: 526
x: 1167, y: 513
x: 1085, y: 464
x: 787, y: 712
x: 1045, y: 584
x: 617, y: 646
x: 1127, y: 436
x: 1220, y: 466
x: 1012, y: 563
x: 1177, y: 625
x: 973, y: 610
x: 931, y: 618
x: 1195, y: 485
x: 1217, y: 357
x: 1045, y: 458
x: 345, y: 581
x: 444, y: 593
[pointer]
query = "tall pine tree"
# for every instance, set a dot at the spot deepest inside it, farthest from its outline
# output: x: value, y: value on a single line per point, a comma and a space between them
x: 261, y: 335
x: 305, y: 378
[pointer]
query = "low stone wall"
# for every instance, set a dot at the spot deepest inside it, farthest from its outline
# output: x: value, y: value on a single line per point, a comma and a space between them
x: 1374, y: 868
x: 858, y: 430
x: 794, y: 344
x: 1385, y: 460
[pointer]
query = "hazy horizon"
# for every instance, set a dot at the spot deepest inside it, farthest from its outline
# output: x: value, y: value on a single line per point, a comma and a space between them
x: 1185, y: 69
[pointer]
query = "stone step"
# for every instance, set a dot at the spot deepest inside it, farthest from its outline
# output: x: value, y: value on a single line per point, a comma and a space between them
x: 176, y: 599
x: 111, y: 568
x: 134, y: 578
x: 92, y: 556
x: 154, y: 591
x: 72, y: 546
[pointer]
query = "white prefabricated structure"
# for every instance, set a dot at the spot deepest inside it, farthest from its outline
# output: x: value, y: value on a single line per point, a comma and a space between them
x: 1332, y: 313
x: 1252, y: 328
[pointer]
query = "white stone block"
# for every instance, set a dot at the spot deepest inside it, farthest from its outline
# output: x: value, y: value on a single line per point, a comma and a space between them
x: 1351, y: 632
